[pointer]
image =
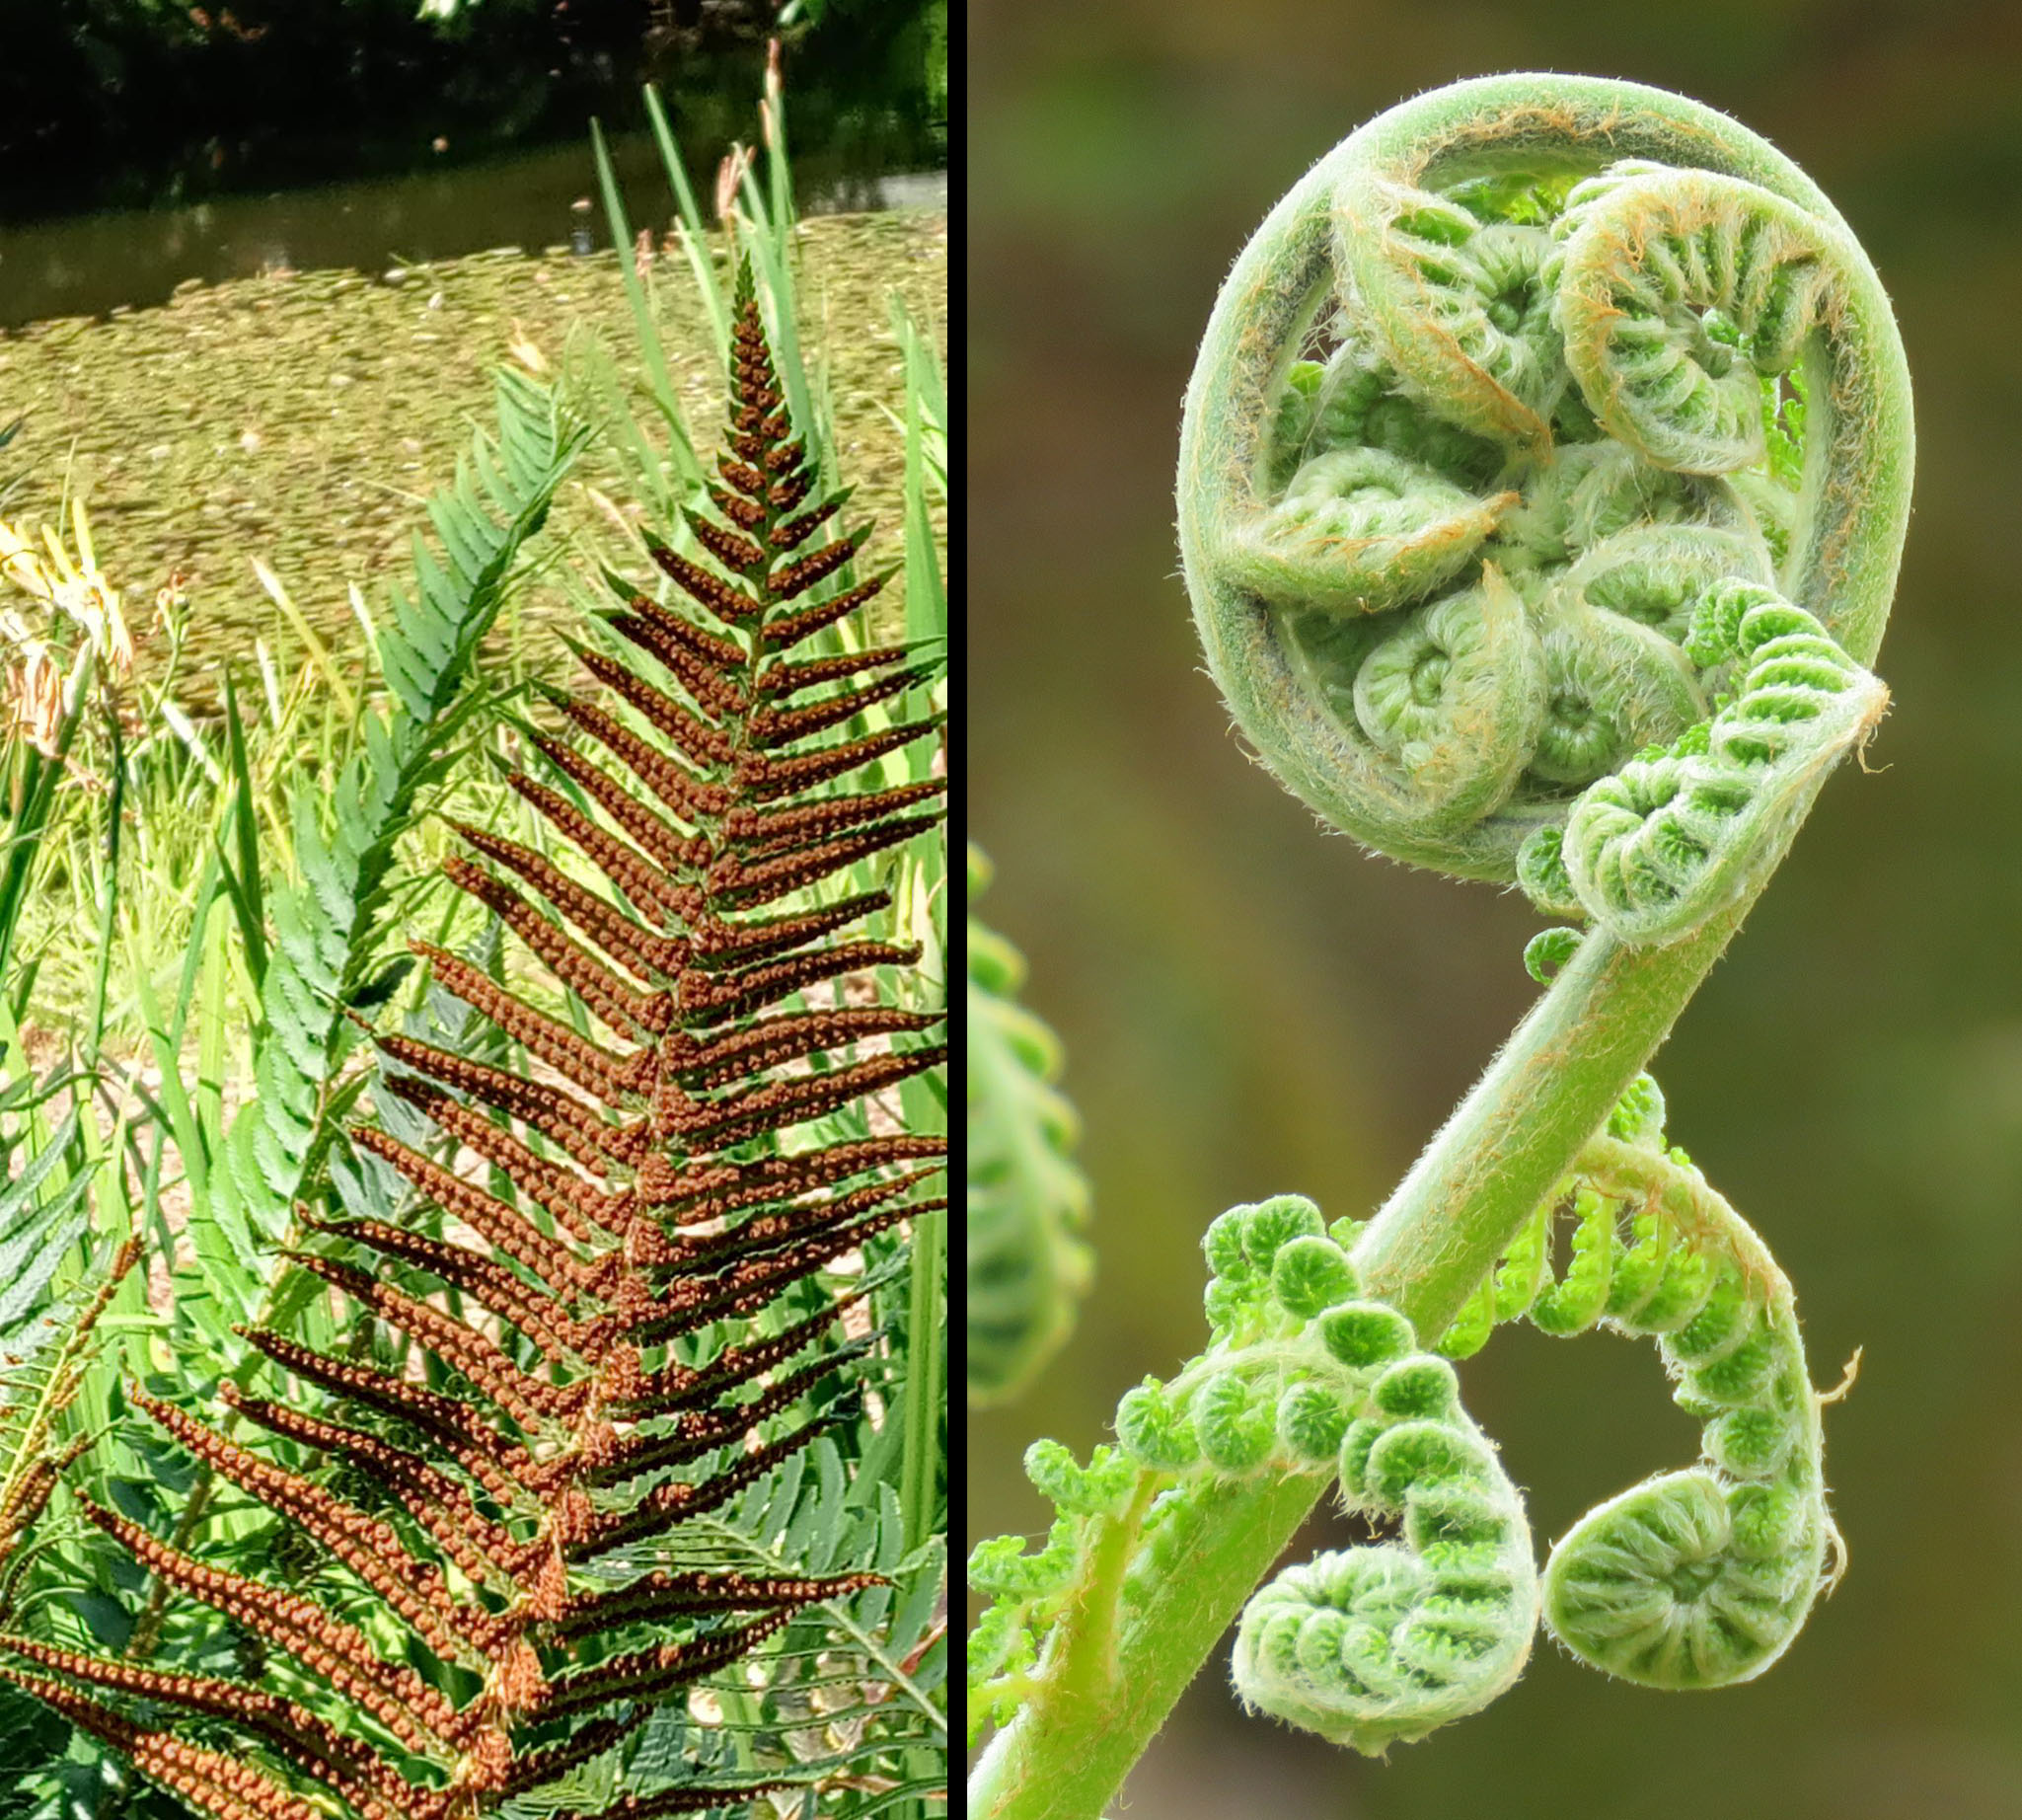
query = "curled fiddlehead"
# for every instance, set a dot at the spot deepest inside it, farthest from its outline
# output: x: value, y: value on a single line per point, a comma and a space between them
x: 1511, y: 382
x: 1702, y: 1577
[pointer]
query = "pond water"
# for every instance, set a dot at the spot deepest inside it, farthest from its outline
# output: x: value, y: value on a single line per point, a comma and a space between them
x: 301, y: 416
x: 89, y: 264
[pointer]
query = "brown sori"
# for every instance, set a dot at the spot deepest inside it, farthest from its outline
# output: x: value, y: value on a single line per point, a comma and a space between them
x: 566, y: 1384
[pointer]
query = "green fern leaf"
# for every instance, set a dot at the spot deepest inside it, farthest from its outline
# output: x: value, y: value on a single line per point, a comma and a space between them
x: 326, y: 926
x: 1027, y: 1266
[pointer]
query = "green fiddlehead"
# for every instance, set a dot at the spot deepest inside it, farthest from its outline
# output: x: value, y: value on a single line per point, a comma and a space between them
x: 1304, y: 1376
x: 1514, y: 342
x: 1702, y: 1577
x: 1542, y: 484
x: 1028, y: 1265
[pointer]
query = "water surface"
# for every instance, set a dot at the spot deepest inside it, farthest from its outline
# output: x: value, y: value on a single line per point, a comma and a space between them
x: 89, y: 264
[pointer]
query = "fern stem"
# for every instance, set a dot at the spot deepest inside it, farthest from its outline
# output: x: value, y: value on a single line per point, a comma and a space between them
x: 1518, y: 1132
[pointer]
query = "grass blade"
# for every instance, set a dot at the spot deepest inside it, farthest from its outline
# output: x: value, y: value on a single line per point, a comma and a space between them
x: 694, y: 237
x: 926, y: 1380
x: 245, y: 888
x: 659, y: 381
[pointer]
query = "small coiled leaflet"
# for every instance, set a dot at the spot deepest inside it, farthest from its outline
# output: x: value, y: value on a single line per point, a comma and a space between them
x: 1684, y: 831
x: 1456, y: 303
x: 1377, y: 1645
x: 1474, y: 645
x: 1614, y: 685
x: 1703, y: 1577
x: 1366, y: 1647
x: 1497, y: 330
x: 1676, y: 291
x: 1360, y: 530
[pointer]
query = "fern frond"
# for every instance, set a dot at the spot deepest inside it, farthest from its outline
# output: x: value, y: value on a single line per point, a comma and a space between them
x: 44, y: 1350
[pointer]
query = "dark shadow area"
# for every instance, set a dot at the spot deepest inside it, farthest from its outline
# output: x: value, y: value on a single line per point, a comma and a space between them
x: 125, y: 103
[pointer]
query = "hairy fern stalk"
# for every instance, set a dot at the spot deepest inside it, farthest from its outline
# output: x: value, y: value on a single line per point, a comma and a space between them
x: 627, y: 1327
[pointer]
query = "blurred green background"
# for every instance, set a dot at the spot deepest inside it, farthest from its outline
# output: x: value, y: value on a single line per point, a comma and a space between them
x: 1250, y: 1007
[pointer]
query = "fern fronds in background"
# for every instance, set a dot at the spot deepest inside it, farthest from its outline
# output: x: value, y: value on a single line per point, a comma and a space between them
x: 1028, y: 1202
x: 640, y: 1291
x: 325, y: 923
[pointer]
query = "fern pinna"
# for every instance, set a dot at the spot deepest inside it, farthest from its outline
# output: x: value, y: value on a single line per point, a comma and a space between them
x: 639, y: 1335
